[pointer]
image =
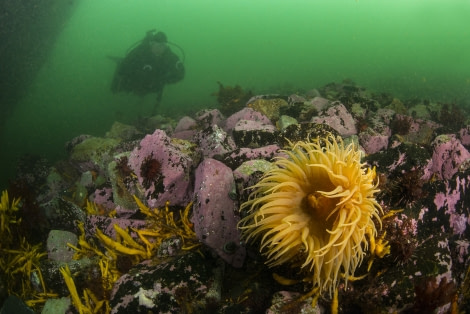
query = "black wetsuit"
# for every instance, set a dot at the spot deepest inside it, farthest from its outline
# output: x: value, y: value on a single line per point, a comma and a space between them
x: 142, y: 72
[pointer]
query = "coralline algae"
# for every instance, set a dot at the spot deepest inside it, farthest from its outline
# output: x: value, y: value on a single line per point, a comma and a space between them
x: 172, y: 183
x: 429, y: 238
x: 215, y: 205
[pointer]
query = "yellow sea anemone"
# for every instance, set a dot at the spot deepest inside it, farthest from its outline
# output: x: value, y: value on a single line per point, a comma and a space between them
x: 315, y: 209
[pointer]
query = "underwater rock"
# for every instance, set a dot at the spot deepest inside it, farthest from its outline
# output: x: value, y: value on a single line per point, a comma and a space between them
x: 187, y: 135
x: 185, y: 123
x: 299, y: 132
x: 62, y: 214
x: 376, y: 129
x: 319, y: 103
x: 269, y: 107
x: 156, y: 122
x: 86, y: 179
x: 84, y: 269
x: 412, y: 130
x: 57, y: 248
x: 296, y: 99
x: 427, y: 251
x: 448, y: 154
x: 185, y: 129
x: 373, y: 142
x: 358, y: 111
x: 94, y: 153
x: 385, y: 116
x: 307, y: 110
x: 53, y: 306
x: 240, y: 155
x: 104, y: 197
x: 163, y: 169
x: 125, y: 132
x: 215, y: 222
x: 435, y: 254
x: 428, y: 255
x: 123, y: 184
x: 75, y: 141
x: 244, y: 114
x: 396, y: 289
x: 248, y: 174
x: 312, y: 93
x: 420, y: 111
x: 452, y: 203
x: 401, y: 159
x: 209, y: 117
x: 338, y: 118
x: 464, y: 136
x: 284, y: 121
x: 170, y: 287
x: 397, y: 106
x: 32, y: 170
x: 56, y: 183
x: 213, y: 141
x: 253, y: 134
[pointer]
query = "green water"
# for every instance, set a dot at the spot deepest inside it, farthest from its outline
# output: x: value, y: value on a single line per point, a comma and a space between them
x: 411, y: 48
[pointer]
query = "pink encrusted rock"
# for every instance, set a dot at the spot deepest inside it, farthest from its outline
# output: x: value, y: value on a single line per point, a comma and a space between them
x: 213, y: 141
x: 185, y: 123
x: 239, y: 156
x: 375, y: 137
x: 214, y: 216
x: 248, y: 133
x: 339, y: 119
x: 244, y: 114
x: 104, y: 197
x: 373, y: 142
x: 448, y: 154
x: 464, y: 135
x: 169, y: 167
x: 319, y: 103
x: 184, y: 135
x: 250, y: 125
x: 209, y: 117
x: 452, y: 202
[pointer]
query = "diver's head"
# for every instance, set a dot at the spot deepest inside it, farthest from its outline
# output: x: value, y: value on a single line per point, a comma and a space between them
x: 158, y: 44
x: 160, y: 37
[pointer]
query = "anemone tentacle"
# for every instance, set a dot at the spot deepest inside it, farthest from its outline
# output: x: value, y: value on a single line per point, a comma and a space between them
x: 315, y: 207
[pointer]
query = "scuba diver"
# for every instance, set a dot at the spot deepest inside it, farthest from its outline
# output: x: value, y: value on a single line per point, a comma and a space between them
x: 148, y: 66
